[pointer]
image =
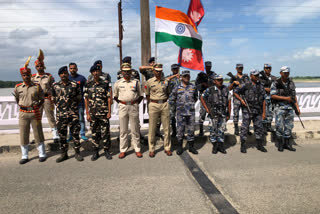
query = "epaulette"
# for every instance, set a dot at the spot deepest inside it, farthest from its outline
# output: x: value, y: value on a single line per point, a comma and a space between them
x: 19, y: 84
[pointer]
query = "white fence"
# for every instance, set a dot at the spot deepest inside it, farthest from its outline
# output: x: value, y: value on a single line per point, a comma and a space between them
x: 308, y: 99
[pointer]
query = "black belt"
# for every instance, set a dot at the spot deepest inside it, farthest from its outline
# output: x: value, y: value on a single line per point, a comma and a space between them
x: 27, y: 108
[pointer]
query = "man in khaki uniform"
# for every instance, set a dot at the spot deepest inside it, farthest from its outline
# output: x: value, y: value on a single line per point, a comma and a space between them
x: 29, y: 97
x: 127, y: 92
x: 157, y: 96
x: 46, y: 80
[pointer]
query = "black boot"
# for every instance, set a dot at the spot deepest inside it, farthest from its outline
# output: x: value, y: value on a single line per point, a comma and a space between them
x: 201, y: 130
x: 23, y: 161
x: 236, y: 129
x: 180, y: 149
x: 214, y: 148
x: 174, y: 129
x: 288, y: 145
x: 107, y: 154
x: 77, y: 155
x: 280, y: 144
x: 191, y: 148
x: 221, y: 148
x: 95, y: 155
x: 243, y: 148
x: 260, y: 147
x: 64, y: 156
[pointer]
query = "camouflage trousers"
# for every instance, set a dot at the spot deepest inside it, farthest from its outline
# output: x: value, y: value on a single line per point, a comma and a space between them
x: 257, y: 125
x: 269, y: 112
x: 173, y: 120
x: 202, y: 113
x: 185, y: 124
x: 236, y: 110
x: 100, y: 129
x: 217, y: 128
x: 71, y: 120
x: 284, y: 122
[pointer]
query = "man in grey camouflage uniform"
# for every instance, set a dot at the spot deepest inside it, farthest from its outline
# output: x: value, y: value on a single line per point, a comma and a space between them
x: 266, y: 79
x: 217, y: 103
x: 98, y: 110
x: 253, y: 105
x: 283, y: 94
x: 174, y: 80
x: 183, y: 99
x: 204, y: 80
x: 240, y: 79
x: 66, y: 96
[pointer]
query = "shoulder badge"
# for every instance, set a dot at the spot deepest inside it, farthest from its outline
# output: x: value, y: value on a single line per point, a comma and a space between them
x: 19, y: 84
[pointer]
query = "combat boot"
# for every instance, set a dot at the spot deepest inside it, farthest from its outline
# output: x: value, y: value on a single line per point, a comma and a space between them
x: 77, y: 155
x: 95, y: 155
x: 214, y: 148
x: 260, y: 147
x: 288, y: 145
x: 243, y: 148
x: 221, y: 148
x: 64, y: 156
x: 180, y: 149
x: 201, y: 130
x: 191, y: 148
x: 280, y: 144
x: 107, y: 154
x: 236, y: 129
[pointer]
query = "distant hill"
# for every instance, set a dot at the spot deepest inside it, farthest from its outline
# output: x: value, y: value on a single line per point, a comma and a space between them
x: 8, y: 84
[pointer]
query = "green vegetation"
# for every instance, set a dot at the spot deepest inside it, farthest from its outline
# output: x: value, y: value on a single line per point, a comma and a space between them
x: 8, y: 84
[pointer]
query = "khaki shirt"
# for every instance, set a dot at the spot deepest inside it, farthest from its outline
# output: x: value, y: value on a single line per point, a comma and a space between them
x: 157, y: 90
x: 28, y: 95
x: 127, y: 91
x: 45, y: 81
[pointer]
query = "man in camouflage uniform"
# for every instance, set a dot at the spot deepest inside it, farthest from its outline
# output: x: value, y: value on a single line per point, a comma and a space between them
x: 283, y: 94
x: 217, y: 103
x: 240, y: 79
x: 66, y: 96
x: 46, y: 80
x: 252, y: 97
x: 157, y: 96
x: 29, y: 97
x: 266, y: 79
x: 98, y: 109
x: 174, y: 80
x: 204, y: 80
x: 135, y: 73
x: 183, y: 99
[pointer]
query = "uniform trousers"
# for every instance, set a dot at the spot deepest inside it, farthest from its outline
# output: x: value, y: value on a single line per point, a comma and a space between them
x: 25, y: 119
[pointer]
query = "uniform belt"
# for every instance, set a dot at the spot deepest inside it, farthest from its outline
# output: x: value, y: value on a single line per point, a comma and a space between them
x: 159, y: 101
x: 128, y: 103
x: 25, y: 108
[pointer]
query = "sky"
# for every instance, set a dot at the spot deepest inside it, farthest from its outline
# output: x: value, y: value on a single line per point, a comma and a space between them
x: 252, y: 32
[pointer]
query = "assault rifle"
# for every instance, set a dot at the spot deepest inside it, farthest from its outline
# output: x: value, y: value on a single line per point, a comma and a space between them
x: 264, y: 77
x: 293, y: 99
x: 233, y: 78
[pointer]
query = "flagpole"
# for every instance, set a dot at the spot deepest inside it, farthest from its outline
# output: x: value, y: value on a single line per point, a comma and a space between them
x: 156, y: 53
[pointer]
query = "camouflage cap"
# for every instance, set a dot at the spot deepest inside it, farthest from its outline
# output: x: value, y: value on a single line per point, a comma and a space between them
x: 254, y: 72
x: 218, y: 76
x: 284, y: 69
x: 239, y: 65
x: 125, y: 67
x: 267, y: 65
x: 186, y: 72
x: 158, y: 67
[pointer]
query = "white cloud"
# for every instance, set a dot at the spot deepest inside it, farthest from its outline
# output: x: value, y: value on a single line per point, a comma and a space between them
x: 307, y: 53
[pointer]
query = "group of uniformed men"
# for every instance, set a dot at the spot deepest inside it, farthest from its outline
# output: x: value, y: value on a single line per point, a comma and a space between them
x: 171, y: 100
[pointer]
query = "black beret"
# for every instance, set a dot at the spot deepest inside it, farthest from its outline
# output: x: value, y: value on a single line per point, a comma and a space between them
x: 97, y: 62
x: 94, y: 68
x: 152, y: 59
x: 174, y: 66
x: 127, y: 59
x: 63, y: 69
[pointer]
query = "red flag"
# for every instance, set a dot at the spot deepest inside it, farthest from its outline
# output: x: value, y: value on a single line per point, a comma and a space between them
x: 196, y: 11
x: 190, y: 58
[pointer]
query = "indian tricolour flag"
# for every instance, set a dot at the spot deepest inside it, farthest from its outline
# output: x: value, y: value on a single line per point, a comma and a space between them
x: 176, y: 26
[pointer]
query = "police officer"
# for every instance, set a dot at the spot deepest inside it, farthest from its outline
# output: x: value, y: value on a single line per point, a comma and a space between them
x: 217, y: 103
x: 240, y: 79
x: 98, y: 110
x: 134, y: 73
x: 29, y: 97
x: 252, y: 97
x: 127, y: 92
x: 66, y: 96
x: 283, y: 94
x: 266, y: 79
x: 204, y: 80
x: 174, y: 80
x: 157, y: 96
x: 183, y: 99
x: 46, y: 80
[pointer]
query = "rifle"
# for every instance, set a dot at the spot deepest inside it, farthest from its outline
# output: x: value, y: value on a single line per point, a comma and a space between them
x: 293, y: 98
x: 264, y: 77
x: 233, y: 78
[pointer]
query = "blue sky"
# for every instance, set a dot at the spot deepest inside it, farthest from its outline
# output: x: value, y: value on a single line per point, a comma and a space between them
x: 250, y: 32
